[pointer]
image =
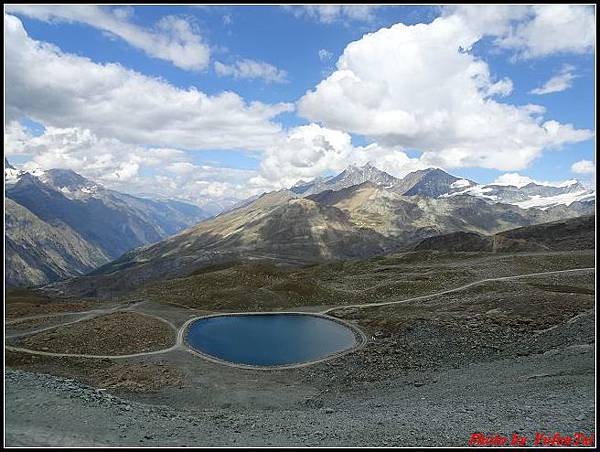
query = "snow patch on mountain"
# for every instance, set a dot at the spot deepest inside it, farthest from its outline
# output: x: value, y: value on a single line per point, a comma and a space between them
x: 566, y: 198
x: 532, y: 195
x: 460, y: 183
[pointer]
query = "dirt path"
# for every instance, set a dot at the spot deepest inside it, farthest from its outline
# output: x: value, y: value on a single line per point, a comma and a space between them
x: 456, y: 289
x: 176, y: 346
x: 179, y: 332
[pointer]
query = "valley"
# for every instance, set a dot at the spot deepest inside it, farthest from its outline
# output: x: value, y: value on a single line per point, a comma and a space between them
x: 431, y: 351
x: 476, y: 313
x: 299, y: 225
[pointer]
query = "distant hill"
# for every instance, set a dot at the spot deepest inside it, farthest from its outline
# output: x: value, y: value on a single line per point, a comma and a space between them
x: 562, y: 235
x: 436, y: 183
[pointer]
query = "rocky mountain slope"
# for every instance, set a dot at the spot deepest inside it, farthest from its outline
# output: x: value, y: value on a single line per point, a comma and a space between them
x: 359, y: 221
x: 431, y: 182
x: 562, y: 235
x: 436, y: 183
x: 277, y: 226
x: 86, y: 213
x: 410, y: 218
x: 354, y: 218
x: 38, y: 252
x: 353, y: 175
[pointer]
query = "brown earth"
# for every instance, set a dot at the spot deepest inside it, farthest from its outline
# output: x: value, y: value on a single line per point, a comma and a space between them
x: 119, y: 333
x: 116, y: 376
x: 27, y: 302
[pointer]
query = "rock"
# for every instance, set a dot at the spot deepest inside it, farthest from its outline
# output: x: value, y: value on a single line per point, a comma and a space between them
x: 329, y: 410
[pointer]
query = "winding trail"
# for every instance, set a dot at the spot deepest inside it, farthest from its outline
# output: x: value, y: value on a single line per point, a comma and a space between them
x: 90, y: 315
x: 179, y: 332
x: 456, y: 289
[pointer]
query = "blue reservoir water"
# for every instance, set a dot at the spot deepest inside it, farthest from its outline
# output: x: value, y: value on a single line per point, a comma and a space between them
x: 269, y: 339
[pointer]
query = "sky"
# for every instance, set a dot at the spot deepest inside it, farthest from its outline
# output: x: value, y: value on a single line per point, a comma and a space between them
x: 206, y: 103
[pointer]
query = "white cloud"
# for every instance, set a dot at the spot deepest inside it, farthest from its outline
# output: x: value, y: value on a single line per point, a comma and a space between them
x: 63, y: 90
x: 328, y: 14
x: 560, y: 82
x: 173, y: 39
x: 533, y: 31
x: 517, y: 180
x: 325, y: 55
x: 553, y: 29
x: 514, y: 179
x: 128, y: 168
x: 102, y: 159
x: 251, y: 69
x: 449, y: 110
x: 310, y: 151
x: 584, y: 167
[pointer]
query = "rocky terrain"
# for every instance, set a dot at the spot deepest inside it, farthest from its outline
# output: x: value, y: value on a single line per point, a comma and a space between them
x: 128, y: 332
x: 487, y: 328
x: 503, y: 356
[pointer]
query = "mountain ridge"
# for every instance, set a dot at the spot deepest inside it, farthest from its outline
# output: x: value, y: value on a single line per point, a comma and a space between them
x: 89, y: 215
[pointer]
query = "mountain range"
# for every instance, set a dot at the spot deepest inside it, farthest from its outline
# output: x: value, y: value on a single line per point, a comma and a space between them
x: 352, y: 219
x: 60, y: 224
x: 436, y: 183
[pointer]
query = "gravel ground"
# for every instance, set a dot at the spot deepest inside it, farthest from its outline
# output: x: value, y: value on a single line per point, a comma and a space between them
x: 118, y: 333
x: 552, y: 392
x: 508, y: 357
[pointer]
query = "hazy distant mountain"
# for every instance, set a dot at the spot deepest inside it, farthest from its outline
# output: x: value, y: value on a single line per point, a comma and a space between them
x: 107, y: 221
x: 410, y: 218
x: 430, y: 182
x: 363, y: 212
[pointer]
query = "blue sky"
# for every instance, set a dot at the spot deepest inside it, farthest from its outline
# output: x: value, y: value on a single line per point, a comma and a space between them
x: 301, y: 48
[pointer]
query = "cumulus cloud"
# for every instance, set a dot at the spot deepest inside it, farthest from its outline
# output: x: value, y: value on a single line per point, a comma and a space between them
x: 553, y: 29
x: 173, y: 38
x: 63, y: 90
x: 102, y: 159
x: 584, y: 167
x: 311, y: 150
x: 251, y: 69
x: 560, y: 82
x: 328, y: 14
x: 129, y: 168
x: 442, y: 99
x: 533, y: 31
